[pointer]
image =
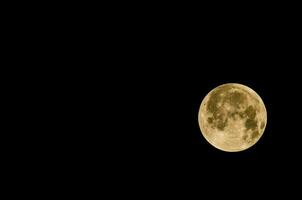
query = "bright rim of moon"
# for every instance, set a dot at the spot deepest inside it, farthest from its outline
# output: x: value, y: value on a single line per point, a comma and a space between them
x: 232, y: 117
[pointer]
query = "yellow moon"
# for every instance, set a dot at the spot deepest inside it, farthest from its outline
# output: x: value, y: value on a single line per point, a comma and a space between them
x: 232, y: 117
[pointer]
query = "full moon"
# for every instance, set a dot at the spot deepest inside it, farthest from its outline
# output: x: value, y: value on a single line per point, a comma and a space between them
x: 232, y: 117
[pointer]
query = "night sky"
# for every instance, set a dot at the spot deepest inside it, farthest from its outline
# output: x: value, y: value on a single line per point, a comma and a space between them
x: 167, y: 72
x: 166, y: 141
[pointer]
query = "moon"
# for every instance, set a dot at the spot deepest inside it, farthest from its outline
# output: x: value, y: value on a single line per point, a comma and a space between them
x: 232, y: 117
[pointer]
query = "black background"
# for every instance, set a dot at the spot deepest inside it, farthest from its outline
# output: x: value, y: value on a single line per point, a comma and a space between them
x: 117, y: 93
x: 164, y: 144
x: 169, y: 68
x: 129, y: 98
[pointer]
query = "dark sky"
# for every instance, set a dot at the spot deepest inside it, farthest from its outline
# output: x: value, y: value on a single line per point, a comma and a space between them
x: 167, y: 73
x: 124, y: 87
x: 165, y: 139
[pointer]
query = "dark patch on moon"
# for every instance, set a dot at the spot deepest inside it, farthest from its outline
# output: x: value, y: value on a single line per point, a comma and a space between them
x: 250, y: 112
x: 233, y: 114
x: 210, y: 120
x: 254, y: 134
x: 216, y: 114
x: 262, y: 125
x: 251, y: 124
x: 245, y: 137
x: 242, y: 115
x: 215, y: 98
x: 213, y: 101
x: 221, y: 124
x: 236, y: 98
x: 220, y: 119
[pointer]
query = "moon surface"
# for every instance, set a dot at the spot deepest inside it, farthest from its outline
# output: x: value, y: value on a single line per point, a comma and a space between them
x: 232, y: 117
